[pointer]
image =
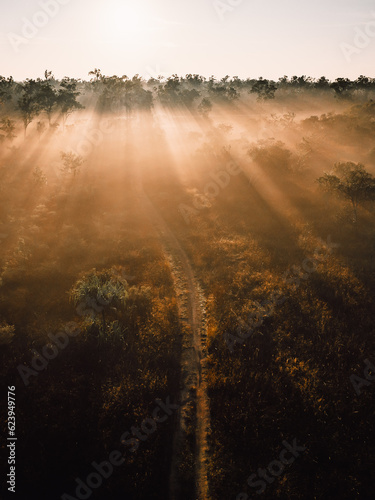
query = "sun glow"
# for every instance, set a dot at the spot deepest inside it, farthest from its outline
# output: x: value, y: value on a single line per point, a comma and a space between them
x: 122, y: 21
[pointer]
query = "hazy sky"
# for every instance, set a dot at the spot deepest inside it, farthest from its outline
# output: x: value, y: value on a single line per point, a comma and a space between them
x: 254, y: 38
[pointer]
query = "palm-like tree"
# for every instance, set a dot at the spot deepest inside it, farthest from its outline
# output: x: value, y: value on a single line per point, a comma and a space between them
x: 99, y: 293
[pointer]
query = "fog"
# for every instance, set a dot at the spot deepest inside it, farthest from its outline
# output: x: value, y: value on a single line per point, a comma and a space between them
x: 200, y: 243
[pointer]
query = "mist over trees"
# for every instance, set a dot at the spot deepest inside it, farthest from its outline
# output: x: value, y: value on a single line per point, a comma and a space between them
x: 141, y: 217
x: 57, y: 100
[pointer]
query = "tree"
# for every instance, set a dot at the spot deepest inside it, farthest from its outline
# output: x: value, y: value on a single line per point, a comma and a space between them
x: 47, y: 95
x: 169, y: 92
x: 112, y: 93
x: 350, y: 181
x: 195, y: 80
x: 272, y: 156
x: 8, y: 127
x: 363, y: 82
x: 28, y: 104
x: 322, y: 84
x: 283, y: 81
x: 67, y: 98
x: 122, y: 92
x: 71, y: 163
x: 265, y: 89
x: 342, y: 87
x: 106, y: 294
x: 97, y: 74
x: 300, y: 81
x: 39, y: 177
x: 205, y: 106
x: 189, y: 96
x: 99, y: 293
x: 6, y: 85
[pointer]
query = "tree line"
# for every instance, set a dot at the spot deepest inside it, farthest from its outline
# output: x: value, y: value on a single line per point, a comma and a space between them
x: 50, y: 97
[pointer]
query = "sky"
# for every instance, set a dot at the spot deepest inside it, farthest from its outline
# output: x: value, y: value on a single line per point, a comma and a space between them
x: 245, y: 38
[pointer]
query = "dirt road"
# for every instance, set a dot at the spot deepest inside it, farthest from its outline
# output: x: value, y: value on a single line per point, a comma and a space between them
x: 193, y: 421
